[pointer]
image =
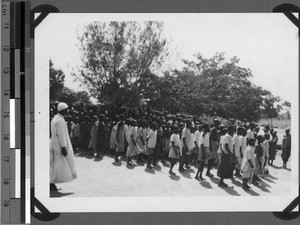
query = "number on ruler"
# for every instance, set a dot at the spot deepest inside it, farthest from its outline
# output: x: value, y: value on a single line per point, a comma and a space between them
x: 6, y: 160
x: 6, y: 182
x: 6, y: 71
x: 3, y: 10
x: 6, y: 115
x: 6, y: 93
x: 6, y: 26
x: 6, y: 49
x: 6, y: 203
x: 6, y: 138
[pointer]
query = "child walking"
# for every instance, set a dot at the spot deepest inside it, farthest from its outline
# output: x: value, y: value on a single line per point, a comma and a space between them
x: 203, y: 152
x: 151, y: 142
x: 248, y: 163
x: 174, y: 148
x: 258, y: 160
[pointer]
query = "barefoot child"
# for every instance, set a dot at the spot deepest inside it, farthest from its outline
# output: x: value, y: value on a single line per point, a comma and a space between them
x: 248, y: 163
x: 151, y: 142
x: 258, y: 160
x: 265, y: 156
x: 174, y: 148
x: 203, y: 152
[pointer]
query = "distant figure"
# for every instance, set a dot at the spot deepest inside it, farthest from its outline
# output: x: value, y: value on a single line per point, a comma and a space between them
x: 75, y: 134
x: 286, y: 148
x: 93, y: 136
x: 248, y: 163
x: 174, y: 148
x: 272, y: 146
x: 258, y: 160
x: 62, y: 167
x: 151, y: 142
x: 265, y: 157
x: 112, y: 140
x: 203, y: 152
x: 85, y: 134
x: 101, y: 137
x: 120, y: 138
x: 132, y: 142
x: 185, y: 140
x: 225, y: 165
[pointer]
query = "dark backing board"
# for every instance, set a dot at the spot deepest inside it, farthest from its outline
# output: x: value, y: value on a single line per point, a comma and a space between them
x: 159, y: 6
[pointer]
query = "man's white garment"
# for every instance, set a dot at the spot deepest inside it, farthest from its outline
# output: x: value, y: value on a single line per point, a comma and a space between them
x: 62, y: 169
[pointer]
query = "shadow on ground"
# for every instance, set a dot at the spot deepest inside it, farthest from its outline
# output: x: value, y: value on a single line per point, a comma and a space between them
x: 57, y: 194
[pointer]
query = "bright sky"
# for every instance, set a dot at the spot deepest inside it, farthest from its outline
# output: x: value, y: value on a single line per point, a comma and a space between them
x: 265, y: 43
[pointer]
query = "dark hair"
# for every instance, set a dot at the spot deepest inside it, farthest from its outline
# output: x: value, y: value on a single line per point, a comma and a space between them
x: 267, y: 136
x: 231, y: 128
x: 154, y: 125
x: 251, y: 141
x: 239, y: 131
x: 224, y: 131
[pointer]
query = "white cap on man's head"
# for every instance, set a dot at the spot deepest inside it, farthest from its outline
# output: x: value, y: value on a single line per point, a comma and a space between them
x: 61, y: 106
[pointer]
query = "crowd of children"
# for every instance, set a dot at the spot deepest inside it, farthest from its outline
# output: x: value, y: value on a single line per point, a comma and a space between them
x: 238, y: 149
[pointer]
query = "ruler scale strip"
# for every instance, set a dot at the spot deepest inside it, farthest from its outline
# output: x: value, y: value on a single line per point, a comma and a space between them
x: 5, y: 107
x: 27, y: 111
x: 23, y: 113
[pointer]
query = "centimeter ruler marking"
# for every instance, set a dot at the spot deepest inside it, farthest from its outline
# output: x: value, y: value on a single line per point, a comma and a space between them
x: 15, y: 44
x: 26, y: 62
x: 5, y: 107
x: 23, y: 105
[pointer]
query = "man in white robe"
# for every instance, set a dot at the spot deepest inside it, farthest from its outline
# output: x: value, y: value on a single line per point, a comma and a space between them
x: 62, y: 167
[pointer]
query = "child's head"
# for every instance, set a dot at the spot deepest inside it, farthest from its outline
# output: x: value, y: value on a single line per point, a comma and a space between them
x: 230, y: 129
x: 260, y: 138
x: 257, y: 129
x: 251, y: 142
x: 188, y: 123
x: 214, y: 132
x: 239, y: 131
x: 287, y: 131
x: 224, y: 131
x: 205, y: 128
x: 267, y: 136
x: 175, y: 129
x: 154, y: 126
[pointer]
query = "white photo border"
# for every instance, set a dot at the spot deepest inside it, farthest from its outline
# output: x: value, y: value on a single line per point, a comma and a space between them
x: 139, y: 204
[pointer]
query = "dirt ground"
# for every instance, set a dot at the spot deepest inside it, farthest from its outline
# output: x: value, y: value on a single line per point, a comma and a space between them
x: 105, y: 178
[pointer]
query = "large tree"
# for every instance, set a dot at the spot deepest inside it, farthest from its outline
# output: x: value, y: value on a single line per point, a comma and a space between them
x: 214, y: 86
x: 117, y: 57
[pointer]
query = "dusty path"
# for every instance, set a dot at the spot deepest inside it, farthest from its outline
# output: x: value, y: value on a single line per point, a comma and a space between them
x: 107, y: 179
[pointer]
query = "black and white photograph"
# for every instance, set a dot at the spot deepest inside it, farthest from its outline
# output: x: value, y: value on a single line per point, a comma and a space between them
x: 166, y: 112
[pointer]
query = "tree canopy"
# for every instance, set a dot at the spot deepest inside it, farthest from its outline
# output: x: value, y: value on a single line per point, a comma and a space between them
x: 117, y: 59
x: 120, y: 64
x: 216, y: 87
